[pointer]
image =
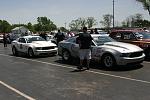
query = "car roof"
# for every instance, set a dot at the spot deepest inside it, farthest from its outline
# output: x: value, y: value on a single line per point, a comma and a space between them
x: 104, y: 34
x: 30, y: 36
x: 95, y: 35
x: 127, y: 31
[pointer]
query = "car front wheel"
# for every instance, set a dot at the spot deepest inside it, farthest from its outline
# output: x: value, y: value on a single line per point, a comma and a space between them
x: 108, y: 61
x: 14, y: 51
x: 66, y: 56
x: 30, y: 53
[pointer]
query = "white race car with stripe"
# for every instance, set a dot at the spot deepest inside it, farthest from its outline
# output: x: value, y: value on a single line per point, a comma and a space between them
x: 33, y: 46
x: 105, y: 50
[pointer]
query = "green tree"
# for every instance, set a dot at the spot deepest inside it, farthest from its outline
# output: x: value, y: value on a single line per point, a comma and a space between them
x: 91, y: 22
x: 82, y: 22
x: 44, y: 24
x: 146, y: 4
x: 5, y: 27
x: 107, y: 20
x: 30, y: 27
x: 133, y: 21
x: 78, y: 24
x: 75, y: 25
x: 63, y: 29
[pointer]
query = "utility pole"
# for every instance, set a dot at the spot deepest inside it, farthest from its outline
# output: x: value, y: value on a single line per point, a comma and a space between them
x: 65, y: 25
x: 113, y: 13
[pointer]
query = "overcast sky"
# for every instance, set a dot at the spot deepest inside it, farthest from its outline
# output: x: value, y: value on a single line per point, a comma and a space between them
x: 63, y: 11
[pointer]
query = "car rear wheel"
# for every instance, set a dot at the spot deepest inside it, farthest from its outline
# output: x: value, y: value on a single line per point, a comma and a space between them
x: 66, y: 56
x: 147, y: 53
x: 108, y: 61
x: 30, y: 53
x: 14, y: 51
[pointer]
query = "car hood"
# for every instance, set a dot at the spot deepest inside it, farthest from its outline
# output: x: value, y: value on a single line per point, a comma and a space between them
x: 122, y: 47
x: 42, y: 44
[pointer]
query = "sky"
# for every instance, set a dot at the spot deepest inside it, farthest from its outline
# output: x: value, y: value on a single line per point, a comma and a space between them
x: 64, y: 11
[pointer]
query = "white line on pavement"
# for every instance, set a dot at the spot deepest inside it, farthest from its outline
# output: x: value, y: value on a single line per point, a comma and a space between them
x: 16, y: 91
x: 63, y: 66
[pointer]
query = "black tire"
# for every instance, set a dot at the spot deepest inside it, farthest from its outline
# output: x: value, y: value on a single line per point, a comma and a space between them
x: 30, y: 53
x: 14, y: 51
x: 108, y: 61
x: 66, y: 56
x: 147, y: 53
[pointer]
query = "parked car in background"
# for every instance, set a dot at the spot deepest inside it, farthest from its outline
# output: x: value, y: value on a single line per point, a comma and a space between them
x: 33, y: 46
x: 136, y: 37
x: 1, y: 38
x: 104, y: 50
x: 50, y: 38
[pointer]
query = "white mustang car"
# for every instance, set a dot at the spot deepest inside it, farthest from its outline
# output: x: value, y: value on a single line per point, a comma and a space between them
x: 105, y: 50
x: 33, y: 46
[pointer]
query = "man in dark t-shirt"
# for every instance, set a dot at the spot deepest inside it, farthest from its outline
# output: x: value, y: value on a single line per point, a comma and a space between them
x: 59, y: 36
x: 85, y: 41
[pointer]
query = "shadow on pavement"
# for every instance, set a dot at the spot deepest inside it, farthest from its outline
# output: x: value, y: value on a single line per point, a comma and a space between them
x: 36, y: 57
x: 147, y: 59
x: 96, y: 65
x: 93, y: 64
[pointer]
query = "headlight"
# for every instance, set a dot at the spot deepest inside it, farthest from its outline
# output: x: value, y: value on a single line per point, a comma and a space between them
x: 38, y: 48
x: 125, y: 54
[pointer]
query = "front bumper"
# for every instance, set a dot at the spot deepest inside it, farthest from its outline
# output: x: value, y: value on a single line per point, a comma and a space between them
x: 50, y: 51
x: 127, y: 60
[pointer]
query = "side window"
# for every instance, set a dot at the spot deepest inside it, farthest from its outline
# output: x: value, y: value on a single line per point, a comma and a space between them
x: 116, y: 35
x: 128, y: 36
x: 22, y: 40
x: 72, y: 40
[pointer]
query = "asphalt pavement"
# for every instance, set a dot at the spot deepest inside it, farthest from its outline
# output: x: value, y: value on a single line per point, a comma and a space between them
x: 49, y: 78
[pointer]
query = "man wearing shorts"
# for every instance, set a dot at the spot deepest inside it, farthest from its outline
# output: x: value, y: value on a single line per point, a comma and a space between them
x: 85, y: 41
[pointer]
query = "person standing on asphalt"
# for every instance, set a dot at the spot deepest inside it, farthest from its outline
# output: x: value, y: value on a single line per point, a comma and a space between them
x: 59, y: 36
x: 84, y: 40
x: 43, y: 35
x: 91, y: 32
x: 5, y: 40
x: 95, y: 31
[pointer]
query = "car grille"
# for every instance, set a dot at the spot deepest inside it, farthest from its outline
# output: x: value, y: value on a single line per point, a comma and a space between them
x: 47, y: 48
x: 136, y: 54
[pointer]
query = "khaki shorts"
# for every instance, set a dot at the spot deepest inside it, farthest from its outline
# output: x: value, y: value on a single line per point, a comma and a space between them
x: 85, y: 54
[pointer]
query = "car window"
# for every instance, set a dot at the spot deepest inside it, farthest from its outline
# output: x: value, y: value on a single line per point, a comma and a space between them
x: 22, y: 40
x: 128, y: 36
x: 30, y: 40
x: 71, y: 40
x: 100, y: 40
x: 142, y: 35
x: 116, y: 35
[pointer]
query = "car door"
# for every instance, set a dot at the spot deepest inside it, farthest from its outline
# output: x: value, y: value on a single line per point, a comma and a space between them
x: 128, y: 37
x: 95, y: 51
x: 22, y: 45
x: 74, y: 47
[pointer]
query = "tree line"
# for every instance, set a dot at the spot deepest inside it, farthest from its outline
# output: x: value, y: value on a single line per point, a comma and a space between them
x: 45, y: 24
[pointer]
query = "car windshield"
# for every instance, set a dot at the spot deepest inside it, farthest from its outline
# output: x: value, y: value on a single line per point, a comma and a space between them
x: 143, y: 35
x: 48, y: 38
x: 100, y: 40
x: 30, y: 40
